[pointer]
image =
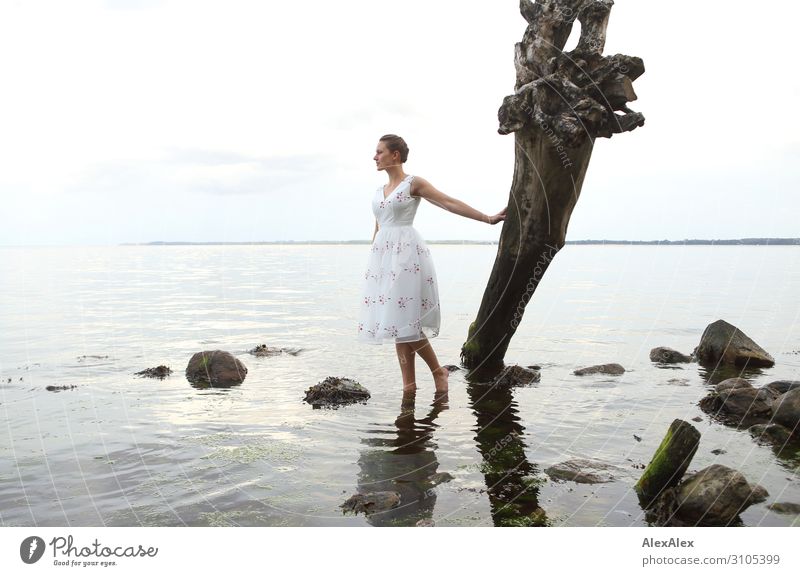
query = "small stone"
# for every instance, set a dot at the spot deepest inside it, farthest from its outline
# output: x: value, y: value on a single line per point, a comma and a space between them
x: 262, y: 350
x: 157, y: 372
x: 666, y: 355
x: 719, y: 451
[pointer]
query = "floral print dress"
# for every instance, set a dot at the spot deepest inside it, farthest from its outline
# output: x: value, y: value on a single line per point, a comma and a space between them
x: 400, y: 293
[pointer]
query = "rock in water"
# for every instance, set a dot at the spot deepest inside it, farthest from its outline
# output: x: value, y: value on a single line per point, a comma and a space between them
x: 774, y: 434
x: 786, y: 410
x: 612, y: 369
x: 157, y: 372
x: 582, y: 471
x: 781, y: 387
x: 371, y: 502
x: 336, y: 391
x: 715, y: 496
x: 515, y: 375
x: 666, y: 355
x: 724, y: 343
x: 263, y: 350
x: 785, y: 507
x: 215, y: 367
x: 731, y: 384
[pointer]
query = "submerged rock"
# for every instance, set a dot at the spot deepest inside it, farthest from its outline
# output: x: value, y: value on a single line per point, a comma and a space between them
x: 715, y: 496
x: 785, y: 507
x: 157, y: 372
x: 335, y: 392
x: 371, y: 502
x: 513, y: 376
x: 724, y: 343
x: 215, y: 367
x: 582, y: 471
x: 612, y: 369
x: 774, y: 434
x: 666, y: 355
x: 440, y: 478
x: 263, y: 350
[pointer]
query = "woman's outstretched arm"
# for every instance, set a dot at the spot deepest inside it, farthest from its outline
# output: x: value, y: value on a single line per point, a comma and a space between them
x: 424, y: 189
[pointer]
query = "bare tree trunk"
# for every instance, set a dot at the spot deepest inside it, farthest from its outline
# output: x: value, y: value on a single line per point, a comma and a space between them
x: 561, y: 103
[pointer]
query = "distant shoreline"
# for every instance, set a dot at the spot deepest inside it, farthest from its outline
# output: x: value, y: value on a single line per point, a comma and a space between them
x: 737, y: 242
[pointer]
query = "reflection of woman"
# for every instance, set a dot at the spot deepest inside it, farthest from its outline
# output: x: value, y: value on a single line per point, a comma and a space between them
x: 407, y: 465
x: 400, y: 295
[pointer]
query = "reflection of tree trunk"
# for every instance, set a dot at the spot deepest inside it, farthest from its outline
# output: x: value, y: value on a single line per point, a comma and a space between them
x: 562, y: 102
x: 509, y: 476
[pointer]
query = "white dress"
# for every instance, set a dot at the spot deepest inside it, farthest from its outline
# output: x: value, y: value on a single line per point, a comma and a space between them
x: 400, y: 293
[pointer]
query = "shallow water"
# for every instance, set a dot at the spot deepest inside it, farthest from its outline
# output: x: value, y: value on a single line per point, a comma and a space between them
x: 119, y: 450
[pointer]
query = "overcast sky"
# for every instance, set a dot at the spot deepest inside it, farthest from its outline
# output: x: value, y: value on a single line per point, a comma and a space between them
x: 146, y: 120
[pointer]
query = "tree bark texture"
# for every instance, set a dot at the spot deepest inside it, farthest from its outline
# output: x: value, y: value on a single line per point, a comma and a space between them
x: 562, y: 101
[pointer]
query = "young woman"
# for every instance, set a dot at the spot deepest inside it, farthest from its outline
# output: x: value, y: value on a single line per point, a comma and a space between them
x: 400, y: 295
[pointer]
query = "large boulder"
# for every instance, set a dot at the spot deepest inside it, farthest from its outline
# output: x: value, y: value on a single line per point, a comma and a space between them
x: 664, y: 355
x: 611, y: 369
x: 724, y: 343
x: 715, y: 496
x: 786, y: 410
x: 215, y: 368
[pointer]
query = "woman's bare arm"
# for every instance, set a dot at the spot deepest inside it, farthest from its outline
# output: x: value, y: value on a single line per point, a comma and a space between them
x: 424, y: 189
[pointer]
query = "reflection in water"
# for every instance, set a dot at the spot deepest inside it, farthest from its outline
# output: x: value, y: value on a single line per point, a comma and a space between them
x: 407, y: 465
x: 510, y: 478
x: 716, y: 373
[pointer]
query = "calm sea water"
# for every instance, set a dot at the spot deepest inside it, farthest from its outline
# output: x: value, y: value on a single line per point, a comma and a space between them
x: 118, y: 450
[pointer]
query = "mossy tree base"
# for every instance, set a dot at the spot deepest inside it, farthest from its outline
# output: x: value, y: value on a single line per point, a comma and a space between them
x: 669, y: 462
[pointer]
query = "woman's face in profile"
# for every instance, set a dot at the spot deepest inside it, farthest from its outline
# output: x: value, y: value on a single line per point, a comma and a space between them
x: 383, y: 157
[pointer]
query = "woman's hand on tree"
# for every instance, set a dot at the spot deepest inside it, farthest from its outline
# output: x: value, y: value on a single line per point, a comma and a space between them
x: 498, y: 217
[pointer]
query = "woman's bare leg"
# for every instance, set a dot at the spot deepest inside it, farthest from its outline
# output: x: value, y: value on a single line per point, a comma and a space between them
x: 406, y: 356
x: 440, y: 374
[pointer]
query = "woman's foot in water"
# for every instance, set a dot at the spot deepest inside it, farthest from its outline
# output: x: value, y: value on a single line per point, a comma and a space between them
x: 440, y: 377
